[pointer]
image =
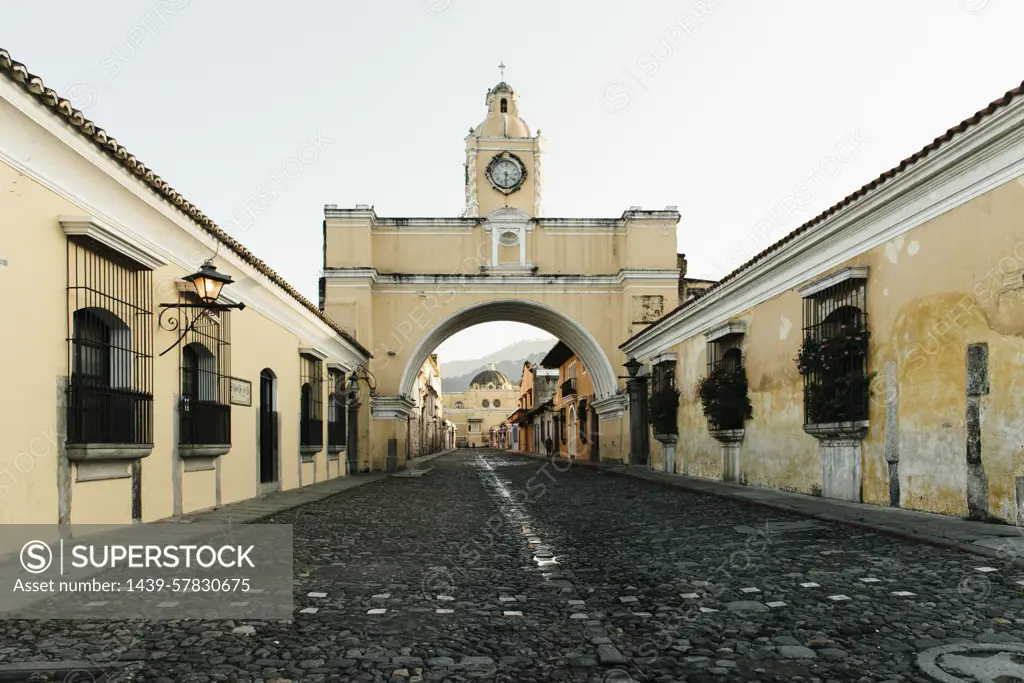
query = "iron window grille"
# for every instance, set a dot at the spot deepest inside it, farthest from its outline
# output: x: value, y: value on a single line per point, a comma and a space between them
x: 311, y: 422
x: 205, y: 371
x: 663, y: 377
x: 835, y: 333
x: 724, y: 400
x: 336, y: 410
x: 110, y: 347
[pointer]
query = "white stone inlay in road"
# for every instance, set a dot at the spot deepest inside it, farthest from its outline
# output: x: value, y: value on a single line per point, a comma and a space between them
x: 629, y: 598
x: 903, y: 594
x: 378, y: 596
x: 239, y: 604
x: 446, y: 598
x: 986, y: 569
x: 506, y: 598
x: 750, y: 590
x: 811, y: 584
x: 317, y: 595
x: 690, y: 596
x: 309, y: 610
x: 444, y: 611
x: 776, y: 603
x: 870, y: 579
x: 255, y: 590
x: 707, y: 610
x: 578, y: 615
x: 377, y: 610
x: 839, y: 597
x: 168, y: 604
x: 577, y: 603
x: 97, y: 603
x: 701, y: 584
x: 645, y: 615
x: 513, y: 613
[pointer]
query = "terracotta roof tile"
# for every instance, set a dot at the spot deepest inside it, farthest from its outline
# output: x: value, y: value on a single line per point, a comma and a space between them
x: 62, y: 107
x: 964, y: 125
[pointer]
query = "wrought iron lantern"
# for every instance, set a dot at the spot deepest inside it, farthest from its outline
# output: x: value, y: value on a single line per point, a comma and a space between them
x: 208, y: 284
x: 633, y: 367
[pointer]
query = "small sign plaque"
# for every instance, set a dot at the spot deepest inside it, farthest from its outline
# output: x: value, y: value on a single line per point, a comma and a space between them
x: 241, y: 392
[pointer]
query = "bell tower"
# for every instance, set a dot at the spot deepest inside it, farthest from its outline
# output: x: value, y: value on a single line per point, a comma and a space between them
x: 503, y: 160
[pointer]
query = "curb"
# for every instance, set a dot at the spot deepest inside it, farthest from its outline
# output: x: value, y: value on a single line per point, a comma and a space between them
x: 875, y: 528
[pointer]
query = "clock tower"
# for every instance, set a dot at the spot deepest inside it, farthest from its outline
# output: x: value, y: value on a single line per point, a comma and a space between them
x: 503, y: 160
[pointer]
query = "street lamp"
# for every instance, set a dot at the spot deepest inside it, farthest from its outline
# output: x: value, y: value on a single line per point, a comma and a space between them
x: 633, y: 366
x: 361, y: 374
x: 207, y: 284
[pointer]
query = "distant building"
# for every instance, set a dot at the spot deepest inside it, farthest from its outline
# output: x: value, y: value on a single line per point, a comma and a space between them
x: 484, y: 405
x: 575, y: 425
x: 533, y: 420
x: 427, y: 425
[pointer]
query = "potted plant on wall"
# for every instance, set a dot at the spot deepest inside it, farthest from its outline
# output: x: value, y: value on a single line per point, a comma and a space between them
x: 836, y: 381
x: 662, y: 407
x: 723, y: 396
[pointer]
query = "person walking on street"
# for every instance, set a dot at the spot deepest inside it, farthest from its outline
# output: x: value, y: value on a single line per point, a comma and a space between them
x: 550, y: 446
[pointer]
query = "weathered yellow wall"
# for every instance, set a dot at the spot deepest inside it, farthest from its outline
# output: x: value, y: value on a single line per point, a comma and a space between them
x: 931, y: 292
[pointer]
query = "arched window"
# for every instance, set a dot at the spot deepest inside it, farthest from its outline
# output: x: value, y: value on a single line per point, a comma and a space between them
x: 459, y: 405
x: 504, y: 106
x: 198, y: 373
x: 336, y: 418
x: 102, y: 406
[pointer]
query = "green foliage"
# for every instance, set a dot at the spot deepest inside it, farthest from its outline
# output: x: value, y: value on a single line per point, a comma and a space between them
x: 662, y: 408
x: 723, y: 394
x: 838, y: 383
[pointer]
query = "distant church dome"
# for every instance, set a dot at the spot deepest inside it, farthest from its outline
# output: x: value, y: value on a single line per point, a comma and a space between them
x: 503, y: 114
x: 491, y: 379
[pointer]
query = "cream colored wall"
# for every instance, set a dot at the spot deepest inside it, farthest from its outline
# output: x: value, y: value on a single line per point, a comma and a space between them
x: 33, y: 349
x: 930, y: 293
x: 472, y: 402
x: 31, y: 443
x: 463, y: 250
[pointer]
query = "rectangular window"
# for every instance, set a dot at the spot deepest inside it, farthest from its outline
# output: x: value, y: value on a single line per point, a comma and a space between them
x: 311, y: 423
x: 336, y: 410
x: 110, y: 342
x: 204, y: 364
x: 833, y: 356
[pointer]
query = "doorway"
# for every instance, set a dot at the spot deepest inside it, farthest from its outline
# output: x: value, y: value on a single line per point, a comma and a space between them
x: 268, y: 424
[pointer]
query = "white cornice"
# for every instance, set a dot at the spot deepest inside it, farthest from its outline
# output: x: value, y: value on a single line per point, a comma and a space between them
x: 391, y: 407
x: 646, y: 277
x: 314, y: 351
x: 832, y: 279
x: 92, y: 228
x: 719, y: 331
x: 972, y: 163
x: 664, y: 357
x: 44, y: 149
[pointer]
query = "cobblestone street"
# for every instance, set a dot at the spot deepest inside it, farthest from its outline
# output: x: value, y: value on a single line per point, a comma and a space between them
x: 497, y: 567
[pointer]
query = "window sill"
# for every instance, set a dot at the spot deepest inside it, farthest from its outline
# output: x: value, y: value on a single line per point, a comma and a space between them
x: 838, y: 430
x: 666, y: 438
x: 95, y: 452
x: 334, y: 450
x: 203, y: 450
x: 727, y: 435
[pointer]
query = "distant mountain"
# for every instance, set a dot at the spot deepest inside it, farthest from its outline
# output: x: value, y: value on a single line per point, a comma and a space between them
x: 457, y: 375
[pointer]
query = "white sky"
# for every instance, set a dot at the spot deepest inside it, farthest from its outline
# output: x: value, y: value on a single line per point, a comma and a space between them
x: 722, y: 107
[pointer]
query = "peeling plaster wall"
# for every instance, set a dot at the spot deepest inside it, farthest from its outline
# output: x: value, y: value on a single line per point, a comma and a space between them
x: 951, y: 282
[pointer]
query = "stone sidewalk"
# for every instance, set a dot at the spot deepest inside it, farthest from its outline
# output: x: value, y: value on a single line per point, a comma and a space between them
x: 252, y: 510
x: 981, y: 538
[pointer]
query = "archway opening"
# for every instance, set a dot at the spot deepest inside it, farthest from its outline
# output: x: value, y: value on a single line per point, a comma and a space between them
x: 512, y: 364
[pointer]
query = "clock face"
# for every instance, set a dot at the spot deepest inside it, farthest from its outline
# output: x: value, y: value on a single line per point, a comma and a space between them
x: 506, y: 174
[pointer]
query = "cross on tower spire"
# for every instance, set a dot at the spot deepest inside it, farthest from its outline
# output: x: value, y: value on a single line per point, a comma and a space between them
x: 502, y: 67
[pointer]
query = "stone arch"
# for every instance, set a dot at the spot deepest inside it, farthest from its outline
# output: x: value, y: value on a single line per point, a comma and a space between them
x: 539, y: 315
